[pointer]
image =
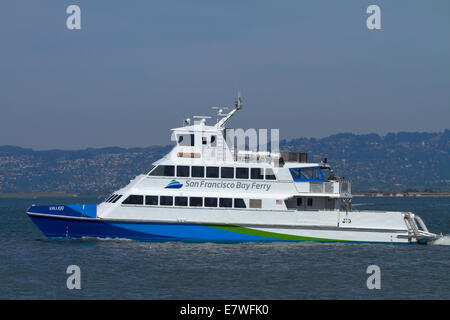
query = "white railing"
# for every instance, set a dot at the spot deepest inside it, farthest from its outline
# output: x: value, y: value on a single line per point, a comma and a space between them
x: 341, y: 186
x: 345, y: 186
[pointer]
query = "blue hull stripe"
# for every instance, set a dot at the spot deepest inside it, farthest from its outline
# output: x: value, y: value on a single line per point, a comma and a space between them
x: 69, y: 227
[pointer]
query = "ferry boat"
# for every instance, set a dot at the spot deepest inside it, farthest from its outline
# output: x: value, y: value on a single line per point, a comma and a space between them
x: 206, y: 190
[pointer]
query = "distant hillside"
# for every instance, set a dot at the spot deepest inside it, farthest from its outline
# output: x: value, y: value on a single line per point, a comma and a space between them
x: 394, y: 162
x: 90, y: 170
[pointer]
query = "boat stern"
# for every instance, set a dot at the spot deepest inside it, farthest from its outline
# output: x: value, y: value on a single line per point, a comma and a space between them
x: 418, y: 230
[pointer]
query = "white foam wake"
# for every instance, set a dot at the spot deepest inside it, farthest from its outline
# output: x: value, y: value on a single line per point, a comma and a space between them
x: 443, y: 241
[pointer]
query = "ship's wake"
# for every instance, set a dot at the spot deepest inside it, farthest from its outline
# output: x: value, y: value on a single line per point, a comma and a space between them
x: 443, y: 241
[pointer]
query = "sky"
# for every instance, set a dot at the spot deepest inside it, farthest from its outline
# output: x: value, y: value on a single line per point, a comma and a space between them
x: 136, y: 69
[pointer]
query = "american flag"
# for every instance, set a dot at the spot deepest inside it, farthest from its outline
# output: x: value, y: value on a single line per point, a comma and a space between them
x: 279, y: 201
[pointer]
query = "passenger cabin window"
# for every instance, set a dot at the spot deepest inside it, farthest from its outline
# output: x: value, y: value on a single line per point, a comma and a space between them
x: 181, y: 201
x: 151, y: 200
x: 134, y: 199
x: 310, y: 202
x: 225, y: 202
x: 227, y: 172
x: 211, y: 202
x: 182, y: 171
x: 213, y: 141
x: 257, y: 173
x: 196, y: 201
x: 299, y: 202
x: 270, y: 175
x: 186, y: 140
x: 256, y: 203
x: 166, y: 201
x: 241, y: 173
x: 212, y: 172
x: 163, y: 171
x: 198, y: 172
x: 239, y: 203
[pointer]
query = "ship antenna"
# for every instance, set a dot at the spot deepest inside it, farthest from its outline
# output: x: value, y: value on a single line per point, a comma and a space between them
x: 226, y: 117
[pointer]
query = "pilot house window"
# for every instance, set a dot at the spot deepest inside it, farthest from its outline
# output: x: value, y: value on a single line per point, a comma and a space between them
x: 307, y: 174
x: 186, y: 140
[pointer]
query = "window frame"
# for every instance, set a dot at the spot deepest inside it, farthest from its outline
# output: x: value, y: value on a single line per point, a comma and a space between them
x: 164, y: 172
x: 261, y: 175
x: 248, y: 173
x: 222, y: 206
x: 151, y: 196
x: 196, y: 206
x: 273, y: 174
x: 221, y: 172
x: 167, y: 205
x: 243, y: 202
x: 204, y: 202
x: 218, y: 172
x: 297, y: 175
x: 177, y: 198
x: 133, y: 204
x: 189, y: 137
x: 183, y: 176
x: 192, y: 171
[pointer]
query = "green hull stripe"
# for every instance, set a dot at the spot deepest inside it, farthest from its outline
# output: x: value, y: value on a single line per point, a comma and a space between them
x: 272, y: 235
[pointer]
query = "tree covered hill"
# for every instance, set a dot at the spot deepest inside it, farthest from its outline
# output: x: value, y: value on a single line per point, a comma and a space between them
x: 394, y: 162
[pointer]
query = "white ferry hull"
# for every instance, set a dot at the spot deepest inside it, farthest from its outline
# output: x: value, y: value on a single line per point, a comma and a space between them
x: 81, y: 221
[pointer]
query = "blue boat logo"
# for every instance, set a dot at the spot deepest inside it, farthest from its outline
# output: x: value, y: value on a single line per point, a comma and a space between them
x: 174, y: 184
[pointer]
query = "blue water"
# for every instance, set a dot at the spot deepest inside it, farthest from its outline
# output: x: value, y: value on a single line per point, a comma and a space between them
x: 33, y: 267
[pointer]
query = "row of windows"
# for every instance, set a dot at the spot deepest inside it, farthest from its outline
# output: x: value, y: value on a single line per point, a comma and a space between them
x: 185, y: 201
x: 213, y: 172
x: 113, y: 198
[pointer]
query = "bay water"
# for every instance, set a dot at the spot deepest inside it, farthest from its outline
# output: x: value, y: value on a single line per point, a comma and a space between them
x: 34, y: 267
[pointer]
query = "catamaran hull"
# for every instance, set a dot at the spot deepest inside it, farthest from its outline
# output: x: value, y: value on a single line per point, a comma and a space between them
x: 54, y: 226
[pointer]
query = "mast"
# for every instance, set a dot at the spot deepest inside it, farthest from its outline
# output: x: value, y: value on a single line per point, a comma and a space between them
x: 226, y: 117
